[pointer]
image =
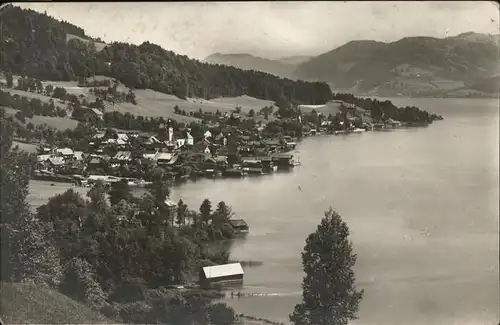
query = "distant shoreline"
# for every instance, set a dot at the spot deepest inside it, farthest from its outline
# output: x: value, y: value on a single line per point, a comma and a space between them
x: 427, y: 97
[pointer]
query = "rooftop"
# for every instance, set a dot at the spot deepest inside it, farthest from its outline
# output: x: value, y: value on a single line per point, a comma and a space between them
x: 170, y: 203
x: 238, y: 223
x: 218, y: 271
x: 163, y: 156
x: 97, y: 111
x: 65, y: 151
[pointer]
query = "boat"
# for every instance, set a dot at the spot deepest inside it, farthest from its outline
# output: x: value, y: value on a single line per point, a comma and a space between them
x: 234, y: 172
x: 253, y: 166
x: 43, y: 175
x: 138, y: 183
x: 358, y: 130
x: 254, y: 171
x: 210, y: 173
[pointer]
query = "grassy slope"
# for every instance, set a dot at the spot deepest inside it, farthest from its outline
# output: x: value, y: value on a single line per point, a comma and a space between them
x: 98, y: 46
x: 41, y: 191
x: 149, y: 103
x: 28, y: 147
x: 30, y: 304
x: 26, y: 303
x: 59, y: 123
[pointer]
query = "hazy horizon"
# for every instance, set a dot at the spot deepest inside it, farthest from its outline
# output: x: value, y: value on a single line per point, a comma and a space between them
x: 271, y: 29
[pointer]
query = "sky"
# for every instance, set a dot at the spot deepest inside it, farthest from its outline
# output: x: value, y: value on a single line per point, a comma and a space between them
x: 271, y: 29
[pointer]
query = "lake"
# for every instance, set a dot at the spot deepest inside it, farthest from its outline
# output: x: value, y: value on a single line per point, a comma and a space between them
x: 421, y: 204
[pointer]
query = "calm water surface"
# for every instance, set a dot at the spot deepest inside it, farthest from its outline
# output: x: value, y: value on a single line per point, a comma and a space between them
x: 422, y: 206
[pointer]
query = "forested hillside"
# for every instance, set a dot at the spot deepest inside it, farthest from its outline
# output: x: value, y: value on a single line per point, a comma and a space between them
x: 37, y: 45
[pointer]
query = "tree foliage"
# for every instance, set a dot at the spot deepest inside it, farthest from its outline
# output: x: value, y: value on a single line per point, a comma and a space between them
x: 27, y: 253
x: 80, y: 283
x: 119, y: 191
x: 386, y: 109
x: 329, y: 292
x: 118, y: 259
x: 115, y: 257
x: 9, y: 79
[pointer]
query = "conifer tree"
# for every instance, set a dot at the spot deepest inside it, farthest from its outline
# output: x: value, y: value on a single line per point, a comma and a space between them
x: 329, y: 292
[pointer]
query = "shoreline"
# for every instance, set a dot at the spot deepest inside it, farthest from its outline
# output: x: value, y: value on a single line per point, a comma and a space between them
x: 176, y: 180
x: 251, y: 320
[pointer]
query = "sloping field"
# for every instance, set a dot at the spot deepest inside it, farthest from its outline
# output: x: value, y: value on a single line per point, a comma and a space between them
x: 329, y: 108
x: 99, y: 46
x: 30, y: 95
x: 60, y: 123
x: 245, y: 102
x: 150, y: 103
x: 41, y: 191
x: 31, y: 304
x: 153, y: 103
x: 28, y: 147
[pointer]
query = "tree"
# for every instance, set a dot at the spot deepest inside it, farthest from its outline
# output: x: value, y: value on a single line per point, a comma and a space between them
x: 59, y: 92
x: 206, y: 210
x: 251, y: 113
x: 49, y: 89
x: 160, y: 191
x: 31, y: 255
x: 79, y: 283
x: 182, y: 210
x: 10, y: 80
x: 329, y: 293
x: 222, y: 213
x: 81, y: 81
x: 119, y: 191
x: 27, y: 252
x: 221, y: 314
x: 97, y: 195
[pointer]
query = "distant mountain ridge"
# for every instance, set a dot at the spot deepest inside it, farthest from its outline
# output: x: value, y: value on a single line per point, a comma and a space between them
x: 283, y: 67
x: 465, y: 65
x: 294, y: 59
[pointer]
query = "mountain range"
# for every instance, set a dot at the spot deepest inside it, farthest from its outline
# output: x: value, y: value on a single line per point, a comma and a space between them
x: 283, y: 67
x: 466, y: 65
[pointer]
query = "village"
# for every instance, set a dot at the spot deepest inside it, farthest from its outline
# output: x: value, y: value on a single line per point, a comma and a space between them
x: 223, y: 151
x: 224, y: 146
x: 140, y: 158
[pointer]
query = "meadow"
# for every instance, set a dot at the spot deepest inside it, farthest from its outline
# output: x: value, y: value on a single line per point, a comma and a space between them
x: 150, y: 103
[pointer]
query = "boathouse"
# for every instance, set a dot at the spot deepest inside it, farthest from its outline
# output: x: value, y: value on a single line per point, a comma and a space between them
x: 283, y: 160
x: 239, y: 226
x: 222, y: 273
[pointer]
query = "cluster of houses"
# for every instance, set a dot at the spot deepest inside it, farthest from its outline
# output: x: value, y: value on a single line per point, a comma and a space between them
x: 140, y: 157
